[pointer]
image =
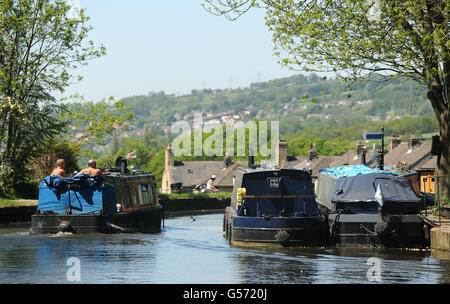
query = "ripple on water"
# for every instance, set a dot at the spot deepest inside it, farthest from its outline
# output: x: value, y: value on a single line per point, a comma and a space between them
x: 196, y: 252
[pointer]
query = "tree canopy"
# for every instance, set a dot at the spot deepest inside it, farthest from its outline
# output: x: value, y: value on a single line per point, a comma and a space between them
x: 95, y: 119
x: 356, y: 38
x: 40, y: 43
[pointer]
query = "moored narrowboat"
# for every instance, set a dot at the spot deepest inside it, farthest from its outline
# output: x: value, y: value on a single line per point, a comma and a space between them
x: 274, y: 207
x: 371, y: 207
x: 124, y: 202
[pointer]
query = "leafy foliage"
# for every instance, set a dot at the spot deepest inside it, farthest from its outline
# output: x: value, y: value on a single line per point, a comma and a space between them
x: 53, y: 150
x: 39, y: 45
x: 356, y: 39
x: 93, y: 121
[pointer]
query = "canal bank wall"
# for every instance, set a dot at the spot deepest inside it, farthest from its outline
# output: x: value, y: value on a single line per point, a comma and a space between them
x: 192, y: 206
x: 21, y: 215
x: 440, y: 241
x: 16, y: 215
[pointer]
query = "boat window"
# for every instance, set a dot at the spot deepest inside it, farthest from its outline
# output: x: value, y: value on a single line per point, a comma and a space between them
x: 133, y: 194
x: 145, y: 194
x: 127, y: 200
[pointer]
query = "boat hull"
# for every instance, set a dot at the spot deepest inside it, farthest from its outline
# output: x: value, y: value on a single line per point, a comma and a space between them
x: 145, y: 220
x: 373, y: 230
x: 273, y: 231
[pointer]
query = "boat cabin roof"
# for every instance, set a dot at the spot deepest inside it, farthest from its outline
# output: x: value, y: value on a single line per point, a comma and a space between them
x: 266, y: 187
x: 137, y: 175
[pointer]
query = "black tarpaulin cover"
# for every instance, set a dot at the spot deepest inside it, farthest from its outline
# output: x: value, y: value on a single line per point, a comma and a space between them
x: 356, y: 194
x: 362, y: 188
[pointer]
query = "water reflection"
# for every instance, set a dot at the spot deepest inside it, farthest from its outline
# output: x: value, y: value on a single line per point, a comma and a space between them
x: 196, y: 252
x: 445, y: 279
x: 275, y: 268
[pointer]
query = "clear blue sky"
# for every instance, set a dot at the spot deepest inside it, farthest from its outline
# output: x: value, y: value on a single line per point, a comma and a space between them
x: 174, y: 46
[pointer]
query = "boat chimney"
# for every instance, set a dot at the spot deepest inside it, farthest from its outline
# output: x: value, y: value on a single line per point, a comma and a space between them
x: 379, y: 158
x: 121, y: 163
x: 363, y: 152
x: 282, y: 153
x: 251, y: 158
x: 358, y: 148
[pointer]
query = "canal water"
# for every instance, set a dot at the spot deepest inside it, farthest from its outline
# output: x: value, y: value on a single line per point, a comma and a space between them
x: 189, y: 252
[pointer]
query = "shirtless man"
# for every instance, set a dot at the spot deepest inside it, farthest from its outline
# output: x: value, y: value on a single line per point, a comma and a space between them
x: 91, y: 169
x: 59, y: 170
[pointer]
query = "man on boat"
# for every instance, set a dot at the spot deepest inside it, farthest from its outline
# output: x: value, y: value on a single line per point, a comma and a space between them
x: 59, y: 170
x: 92, y: 169
x: 210, y: 185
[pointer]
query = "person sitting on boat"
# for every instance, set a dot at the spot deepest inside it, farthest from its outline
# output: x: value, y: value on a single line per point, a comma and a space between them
x: 92, y: 169
x: 210, y: 185
x: 59, y: 170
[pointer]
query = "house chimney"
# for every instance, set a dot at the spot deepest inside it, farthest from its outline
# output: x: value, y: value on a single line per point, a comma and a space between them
x: 170, y: 159
x: 311, y: 153
x: 394, y: 141
x: 413, y: 142
x: 169, y: 171
x: 282, y: 153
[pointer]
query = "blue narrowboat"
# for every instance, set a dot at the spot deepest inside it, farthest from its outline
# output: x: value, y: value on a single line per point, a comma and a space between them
x: 124, y: 201
x: 371, y: 207
x: 274, y: 207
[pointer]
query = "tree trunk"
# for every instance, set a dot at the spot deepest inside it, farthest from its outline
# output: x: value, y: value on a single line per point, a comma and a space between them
x: 441, y: 110
x: 443, y: 168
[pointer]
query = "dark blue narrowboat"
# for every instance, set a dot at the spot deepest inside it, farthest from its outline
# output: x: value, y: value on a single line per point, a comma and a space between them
x: 125, y: 201
x: 371, y: 207
x: 274, y: 207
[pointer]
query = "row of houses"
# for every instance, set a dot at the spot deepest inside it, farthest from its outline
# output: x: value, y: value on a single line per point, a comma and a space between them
x: 411, y: 154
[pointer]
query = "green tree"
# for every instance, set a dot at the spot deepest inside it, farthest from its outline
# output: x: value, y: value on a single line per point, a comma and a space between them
x: 149, y: 133
x: 358, y: 38
x: 156, y: 166
x: 95, y: 120
x: 39, y: 45
x: 143, y: 151
x: 115, y: 143
x: 51, y: 152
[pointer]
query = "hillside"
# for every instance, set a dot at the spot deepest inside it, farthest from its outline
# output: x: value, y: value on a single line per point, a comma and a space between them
x: 294, y: 99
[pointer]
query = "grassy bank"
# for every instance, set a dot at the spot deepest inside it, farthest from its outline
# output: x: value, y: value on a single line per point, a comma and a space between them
x: 195, y: 195
x: 17, y: 202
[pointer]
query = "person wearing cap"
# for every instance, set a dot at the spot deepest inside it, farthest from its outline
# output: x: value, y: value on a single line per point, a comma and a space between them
x: 210, y: 185
x: 91, y: 169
